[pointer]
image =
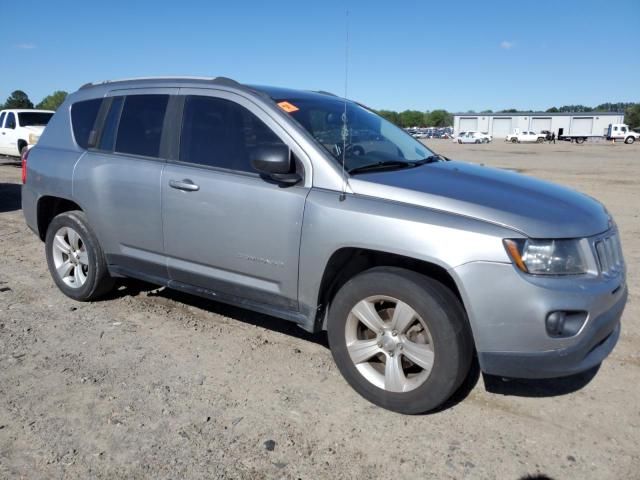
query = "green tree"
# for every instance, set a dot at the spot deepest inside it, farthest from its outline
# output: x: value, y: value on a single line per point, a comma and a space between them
x: 439, y: 118
x: 392, y: 116
x: 18, y: 99
x: 412, y: 118
x: 552, y: 110
x: 53, y: 101
x: 632, y: 116
x: 509, y: 110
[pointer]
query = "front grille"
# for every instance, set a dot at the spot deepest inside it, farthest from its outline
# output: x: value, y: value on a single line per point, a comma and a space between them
x: 609, y: 254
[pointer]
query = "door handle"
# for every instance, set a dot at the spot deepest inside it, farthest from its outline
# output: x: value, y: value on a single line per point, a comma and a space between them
x: 185, y: 185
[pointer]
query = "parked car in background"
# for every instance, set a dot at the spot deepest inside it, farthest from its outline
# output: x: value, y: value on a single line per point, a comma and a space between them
x: 474, y: 137
x: 20, y: 129
x: 455, y: 137
x: 414, y: 265
x: 525, y: 137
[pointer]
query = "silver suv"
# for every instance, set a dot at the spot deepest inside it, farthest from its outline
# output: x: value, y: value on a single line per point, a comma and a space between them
x: 256, y: 196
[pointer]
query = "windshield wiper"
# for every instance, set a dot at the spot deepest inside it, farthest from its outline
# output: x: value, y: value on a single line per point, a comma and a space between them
x: 436, y: 157
x: 387, y: 164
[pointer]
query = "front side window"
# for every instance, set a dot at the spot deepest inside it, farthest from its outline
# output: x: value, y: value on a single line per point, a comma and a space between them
x: 365, y: 138
x: 220, y: 133
x: 140, y: 128
x: 83, y: 118
x: 11, y: 121
x: 27, y: 119
x: 2, y: 115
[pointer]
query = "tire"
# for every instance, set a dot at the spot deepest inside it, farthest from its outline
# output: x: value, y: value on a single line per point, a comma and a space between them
x: 629, y: 140
x: 86, y: 276
x: 438, y: 323
x: 22, y: 146
x: 580, y: 140
x: 478, y: 142
x: 514, y: 140
x: 540, y: 140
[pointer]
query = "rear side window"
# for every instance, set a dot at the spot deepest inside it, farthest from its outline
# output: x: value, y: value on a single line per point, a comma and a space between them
x: 220, y: 133
x: 140, y: 128
x: 83, y: 117
x: 111, y: 125
x: 2, y: 118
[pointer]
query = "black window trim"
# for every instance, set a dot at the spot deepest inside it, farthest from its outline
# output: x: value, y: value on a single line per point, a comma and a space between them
x: 177, y: 133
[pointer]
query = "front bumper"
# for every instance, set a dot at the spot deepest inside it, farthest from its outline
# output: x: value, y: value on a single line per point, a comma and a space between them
x: 507, y: 312
x: 594, y: 346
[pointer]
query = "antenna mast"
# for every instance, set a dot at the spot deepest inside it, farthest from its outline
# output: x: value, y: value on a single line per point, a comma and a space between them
x: 345, y: 127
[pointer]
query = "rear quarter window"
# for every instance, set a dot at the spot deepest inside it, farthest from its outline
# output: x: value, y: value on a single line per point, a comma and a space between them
x: 83, y: 118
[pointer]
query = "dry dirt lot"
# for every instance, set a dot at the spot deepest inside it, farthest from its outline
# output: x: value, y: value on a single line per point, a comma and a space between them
x: 155, y: 384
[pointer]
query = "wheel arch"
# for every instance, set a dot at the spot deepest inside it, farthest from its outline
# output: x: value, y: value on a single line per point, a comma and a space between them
x: 48, y: 207
x: 347, y: 262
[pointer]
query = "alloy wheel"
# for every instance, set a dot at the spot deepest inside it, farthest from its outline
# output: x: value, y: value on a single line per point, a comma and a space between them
x: 70, y: 257
x: 389, y: 344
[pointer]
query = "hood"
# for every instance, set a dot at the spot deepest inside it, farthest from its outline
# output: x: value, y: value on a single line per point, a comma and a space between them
x: 534, y: 207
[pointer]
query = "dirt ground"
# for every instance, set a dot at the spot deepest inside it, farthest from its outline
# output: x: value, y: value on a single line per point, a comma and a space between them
x: 155, y: 384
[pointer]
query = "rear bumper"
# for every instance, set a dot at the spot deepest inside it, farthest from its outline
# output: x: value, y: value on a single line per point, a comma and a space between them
x: 594, y: 346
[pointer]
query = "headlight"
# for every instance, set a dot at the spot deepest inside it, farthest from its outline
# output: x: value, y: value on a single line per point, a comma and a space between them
x: 33, y: 138
x: 548, y: 257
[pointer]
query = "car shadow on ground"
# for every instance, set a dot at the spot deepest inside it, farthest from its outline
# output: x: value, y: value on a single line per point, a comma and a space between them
x: 10, y: 199
x: 552, y: 387
x: 130, y: 287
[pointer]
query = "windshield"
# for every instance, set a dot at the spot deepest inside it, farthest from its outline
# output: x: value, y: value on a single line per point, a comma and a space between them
x: 34, y: 118
x: 365, y: 137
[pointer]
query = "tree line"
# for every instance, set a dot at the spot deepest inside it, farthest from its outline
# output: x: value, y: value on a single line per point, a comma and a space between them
x: 19, y: 99
x: 407, y: 118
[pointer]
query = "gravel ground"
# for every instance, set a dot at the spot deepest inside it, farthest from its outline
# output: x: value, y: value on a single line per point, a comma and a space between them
x: 151, y: 383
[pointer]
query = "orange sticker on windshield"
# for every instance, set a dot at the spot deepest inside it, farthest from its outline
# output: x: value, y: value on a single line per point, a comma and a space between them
x: 288, y: 107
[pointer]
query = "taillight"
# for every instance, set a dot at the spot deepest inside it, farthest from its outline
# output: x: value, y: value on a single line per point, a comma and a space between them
x: 25, y: 155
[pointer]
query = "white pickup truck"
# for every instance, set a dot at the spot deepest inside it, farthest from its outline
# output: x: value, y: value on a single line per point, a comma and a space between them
x: 528, y: 136
x: 21, y: 129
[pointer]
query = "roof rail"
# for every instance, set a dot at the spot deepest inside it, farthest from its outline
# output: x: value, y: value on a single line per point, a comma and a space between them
x: 217, y: 80
x: 326, y: 93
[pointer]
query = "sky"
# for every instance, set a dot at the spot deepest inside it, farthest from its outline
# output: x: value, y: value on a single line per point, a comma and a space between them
x: 420, y: 55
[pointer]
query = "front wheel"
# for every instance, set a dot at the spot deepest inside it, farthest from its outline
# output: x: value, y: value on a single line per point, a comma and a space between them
x: 400, y: 339
x: 514, y: 140
x: 630, y: 140
x: 75, y: 259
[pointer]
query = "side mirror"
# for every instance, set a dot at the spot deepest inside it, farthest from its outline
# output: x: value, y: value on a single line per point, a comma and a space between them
x: 275, y: 162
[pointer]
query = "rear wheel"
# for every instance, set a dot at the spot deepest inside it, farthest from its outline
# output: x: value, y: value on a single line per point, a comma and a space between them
x: 75, y: 259
x: 514, y: 140
x: 400, y: 339
x: 540, y: 140
x: 580, y: 140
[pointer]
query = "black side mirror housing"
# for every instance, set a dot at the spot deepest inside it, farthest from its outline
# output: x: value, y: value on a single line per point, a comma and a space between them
x: 276, y: 163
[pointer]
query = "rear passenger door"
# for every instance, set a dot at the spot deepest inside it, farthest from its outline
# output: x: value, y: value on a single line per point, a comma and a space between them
x: 118, y: 180
x: 226, y: 229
